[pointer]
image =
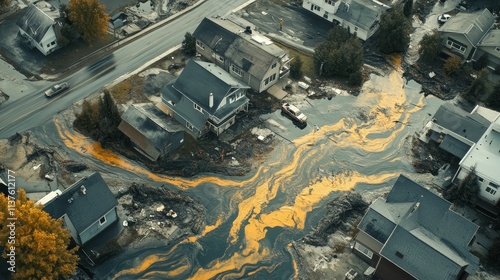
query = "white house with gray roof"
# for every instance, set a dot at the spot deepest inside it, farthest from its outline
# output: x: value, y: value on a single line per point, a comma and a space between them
x: 247, y: 55
x: 40, y: 26
x: 86, y: 208
x: 413, y: 234
x: 484, y: 156
x: 470, y: 36
x: 360, y: 17
x: 205, y: 98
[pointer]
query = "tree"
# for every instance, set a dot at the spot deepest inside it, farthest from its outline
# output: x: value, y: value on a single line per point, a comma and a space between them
x: 89, y: 18
x: 466, y: 191
x: 296, y: 68
x: 40, y: 244
x: 395, y: 31
x: 430, y: 46
x: 109, y: 117
x: 493, y: 100
x: 341, y: 54
x: 452, y: 65
x: 189, y: 44
x: 88, y: 119
x: 479, y: 86
x: 408, y: 8
x: 4, y: 4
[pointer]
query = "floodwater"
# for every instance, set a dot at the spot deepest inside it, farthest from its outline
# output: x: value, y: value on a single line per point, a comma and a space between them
x: 252, y: 220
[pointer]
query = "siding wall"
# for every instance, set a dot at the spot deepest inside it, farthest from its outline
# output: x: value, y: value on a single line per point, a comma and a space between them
x: 95, y: 228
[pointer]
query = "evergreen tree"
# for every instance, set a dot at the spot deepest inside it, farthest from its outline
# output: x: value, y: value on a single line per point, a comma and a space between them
x: 341, y: 54
x: 430, y: 46
x: 395, y: 31
x: 408, y: 9
x: 479, y: 86
x: 466, y: 191
x: 40, y: 244
x: 189, y: 44
x: 109, y: 116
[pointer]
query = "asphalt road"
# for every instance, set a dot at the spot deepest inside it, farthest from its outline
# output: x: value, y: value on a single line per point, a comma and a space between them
x: 34, y: 109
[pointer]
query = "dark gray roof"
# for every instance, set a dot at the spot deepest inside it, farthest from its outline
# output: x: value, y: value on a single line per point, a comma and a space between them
x: 470, y: 126
x: 250, y: 57
x: 152, y: 124
x: 214, y: 35
x: 359, y: 14
x: 432, y: 239
x: 35, y: 22
x: 195, y: 84
x: 84, y: 209
x: 472, y: 25
x: 454, y: 146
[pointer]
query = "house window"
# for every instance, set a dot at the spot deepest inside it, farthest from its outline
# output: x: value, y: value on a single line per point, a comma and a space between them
x: 220, y: 58
x: 266, y: 81
x: 272, y: 78
x: 325, y: 15
x: 189, y: 126
x: 53, y: 43
x: 493, y: 185
x: 490, y: 190
x: 317, y: 8
x: 274, y: 65
x: 200, y: 44
x: 102, y: 220
x: 363, y: 250
x: 456, y: 46
x: 480, y: 179
x: 236, y: 70
x: 231, y: 99
x: 197, y: 107
x: 48, y: 45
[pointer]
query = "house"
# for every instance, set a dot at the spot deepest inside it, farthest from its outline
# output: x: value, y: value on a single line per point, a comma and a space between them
x: 456, y: 130
x: 247, y: 55
x: 470, y: 36
x: 205, y: 98
x: 41, y: 27
x: 484, y: 156
x: 413, y: 234
x: 360, y: 17
x: 86, y: 208
x: 153, y: 133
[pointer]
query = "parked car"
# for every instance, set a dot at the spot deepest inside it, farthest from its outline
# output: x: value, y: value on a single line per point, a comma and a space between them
x: 294, y: 113
x: 56, y: 89
x: 443, y: 18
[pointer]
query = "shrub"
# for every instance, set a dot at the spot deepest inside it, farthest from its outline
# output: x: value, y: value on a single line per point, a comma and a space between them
x: 466, y: 191
x: 452, y: 65
x: 296, y: 68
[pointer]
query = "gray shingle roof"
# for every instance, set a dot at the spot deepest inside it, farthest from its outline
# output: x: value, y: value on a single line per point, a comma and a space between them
x: 359, y: 14
x: 84, y: 209
x: 194, y: 84
x: 250, y: 57
x: 214, y: 35
x: 431, y: 240
x: 35, y: 22
x: 470, y: 126
x: 472, y: 25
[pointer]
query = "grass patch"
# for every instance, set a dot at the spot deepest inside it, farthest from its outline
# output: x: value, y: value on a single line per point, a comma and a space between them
x: 130, y: 89
x: 121, y: 92
x: 307, y: 60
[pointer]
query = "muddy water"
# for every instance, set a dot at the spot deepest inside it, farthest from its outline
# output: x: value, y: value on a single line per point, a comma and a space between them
x: 252, y: 220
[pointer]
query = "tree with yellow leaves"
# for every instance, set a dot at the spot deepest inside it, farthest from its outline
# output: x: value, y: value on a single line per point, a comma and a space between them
x: 36, y: 245
x: 89, y: 18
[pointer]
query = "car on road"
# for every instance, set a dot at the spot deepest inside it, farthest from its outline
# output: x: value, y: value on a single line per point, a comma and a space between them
x: 56, y: 89
x: 294, y: 113
x: 443, y: 18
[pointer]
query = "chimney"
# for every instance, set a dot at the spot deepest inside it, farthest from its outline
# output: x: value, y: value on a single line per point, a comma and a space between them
x: 211, y: 100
